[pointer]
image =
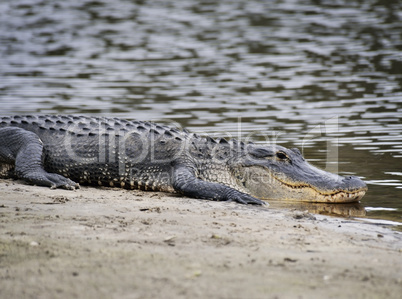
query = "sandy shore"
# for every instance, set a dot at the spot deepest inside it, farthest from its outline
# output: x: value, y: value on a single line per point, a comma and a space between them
x: 112, y: 243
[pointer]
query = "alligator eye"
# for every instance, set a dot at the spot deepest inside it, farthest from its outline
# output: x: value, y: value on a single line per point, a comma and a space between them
x: 281, y: 156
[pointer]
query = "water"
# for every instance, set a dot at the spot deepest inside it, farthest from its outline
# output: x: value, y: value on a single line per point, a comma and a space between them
x: 325, y: 76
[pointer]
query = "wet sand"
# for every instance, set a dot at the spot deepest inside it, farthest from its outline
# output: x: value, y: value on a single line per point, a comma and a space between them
x: 113, y: 243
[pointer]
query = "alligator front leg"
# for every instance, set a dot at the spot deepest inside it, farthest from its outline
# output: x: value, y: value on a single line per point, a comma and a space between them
x: 24, y: 150
x: 186, y: 183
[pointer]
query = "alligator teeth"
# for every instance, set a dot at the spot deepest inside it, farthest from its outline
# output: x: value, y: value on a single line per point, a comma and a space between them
x: 344, y: 197
x: 340, y: 197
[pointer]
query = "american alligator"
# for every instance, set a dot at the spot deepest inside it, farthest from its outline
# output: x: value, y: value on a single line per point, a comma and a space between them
x: 65, y: 151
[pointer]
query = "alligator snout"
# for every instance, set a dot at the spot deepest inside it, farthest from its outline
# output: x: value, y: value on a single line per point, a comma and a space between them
x: 353, y: 183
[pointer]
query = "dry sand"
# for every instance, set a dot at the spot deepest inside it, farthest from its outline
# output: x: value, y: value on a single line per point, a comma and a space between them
x: 113, y: 243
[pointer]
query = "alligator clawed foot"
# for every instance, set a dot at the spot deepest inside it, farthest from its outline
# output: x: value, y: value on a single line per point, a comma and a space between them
x: 59, y: 181
x: 72, y: 186
x: 246, y: 199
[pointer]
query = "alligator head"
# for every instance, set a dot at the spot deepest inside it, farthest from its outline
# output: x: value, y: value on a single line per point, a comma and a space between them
x: 280, y: 173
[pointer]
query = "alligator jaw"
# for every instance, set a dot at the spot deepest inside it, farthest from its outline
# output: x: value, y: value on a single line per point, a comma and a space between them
x: 342, y: 196
x: 314, y: 185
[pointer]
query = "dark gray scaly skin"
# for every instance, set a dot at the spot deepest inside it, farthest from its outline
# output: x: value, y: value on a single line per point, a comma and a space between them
x: 65, y: 151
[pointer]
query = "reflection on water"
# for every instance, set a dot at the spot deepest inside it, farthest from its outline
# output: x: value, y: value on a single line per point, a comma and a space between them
x: 284, y: 68
x: 344, y: 210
